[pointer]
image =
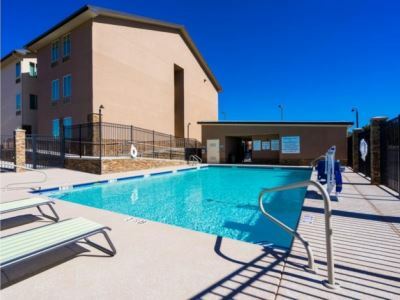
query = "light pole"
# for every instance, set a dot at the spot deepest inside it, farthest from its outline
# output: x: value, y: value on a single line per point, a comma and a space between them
x: 188, y: 125
x: 280, y: 106
x: 355, y: 109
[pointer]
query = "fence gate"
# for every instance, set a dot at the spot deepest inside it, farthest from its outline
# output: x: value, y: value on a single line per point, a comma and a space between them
x: 44, y: 151
x: 365, y: 160
x: 390, y: 154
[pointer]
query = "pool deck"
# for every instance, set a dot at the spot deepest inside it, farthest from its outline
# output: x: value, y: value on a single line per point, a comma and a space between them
x: 158, y: 261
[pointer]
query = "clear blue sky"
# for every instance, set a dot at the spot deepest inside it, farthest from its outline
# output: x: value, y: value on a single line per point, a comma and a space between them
x: 317, y: 58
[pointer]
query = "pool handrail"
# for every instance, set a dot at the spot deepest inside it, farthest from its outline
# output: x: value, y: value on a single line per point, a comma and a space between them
x: 330, y: 283
x: 195, y: 159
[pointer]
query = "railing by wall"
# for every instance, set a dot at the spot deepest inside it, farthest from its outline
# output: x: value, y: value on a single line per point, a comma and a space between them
x: 110, y: 140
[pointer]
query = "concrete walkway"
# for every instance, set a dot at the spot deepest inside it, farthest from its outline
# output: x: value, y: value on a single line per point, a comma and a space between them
x: 158, y: 261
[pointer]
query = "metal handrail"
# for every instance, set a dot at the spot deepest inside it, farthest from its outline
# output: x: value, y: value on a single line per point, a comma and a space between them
x: 9, y: 186
x: 330, y: 283
x: 317, y: 159
x: 195, y: 158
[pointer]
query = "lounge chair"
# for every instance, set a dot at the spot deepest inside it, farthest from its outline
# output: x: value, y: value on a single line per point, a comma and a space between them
x: 29, y: 203
x: 20, y: 246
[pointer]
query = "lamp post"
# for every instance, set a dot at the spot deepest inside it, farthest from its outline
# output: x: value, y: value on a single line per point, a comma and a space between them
x: 100, y: 115
x: 188, y: 125
x: 355, y: 109
x: 280, y: 106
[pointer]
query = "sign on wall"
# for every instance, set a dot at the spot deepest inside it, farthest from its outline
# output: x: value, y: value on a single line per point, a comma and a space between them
x: 257, y: 145
x: 275, y: 145
x: 291, y: 144
x: 265, y: 145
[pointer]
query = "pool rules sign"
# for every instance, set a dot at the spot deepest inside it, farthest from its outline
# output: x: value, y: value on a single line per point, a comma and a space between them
x: 290, y: 145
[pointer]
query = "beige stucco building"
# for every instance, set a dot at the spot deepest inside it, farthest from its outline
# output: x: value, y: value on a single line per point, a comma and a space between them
x: 144, y: 72
x: 18, y: 92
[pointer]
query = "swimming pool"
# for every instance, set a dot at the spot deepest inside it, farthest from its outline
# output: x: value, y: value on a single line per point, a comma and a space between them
x: 218, y: 200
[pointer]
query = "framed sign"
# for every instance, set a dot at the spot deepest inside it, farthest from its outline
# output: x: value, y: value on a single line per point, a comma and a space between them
x: 265, y: 145
x: 275, y: 145
x: 256, y: 145
x: 291, y: 144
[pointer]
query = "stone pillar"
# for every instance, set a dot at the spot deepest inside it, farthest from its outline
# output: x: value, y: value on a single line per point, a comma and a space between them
x: 356, y: 149
x: 19, y: 142
x: 93, y: 134
x: 375, y: 151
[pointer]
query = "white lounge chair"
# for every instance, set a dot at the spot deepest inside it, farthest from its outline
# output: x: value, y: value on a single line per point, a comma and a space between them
x: 29, y: 203
x: 27, y: 244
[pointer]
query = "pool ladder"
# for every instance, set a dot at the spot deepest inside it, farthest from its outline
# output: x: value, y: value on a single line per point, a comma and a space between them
x: 330, y: 283
x: 194, y: 159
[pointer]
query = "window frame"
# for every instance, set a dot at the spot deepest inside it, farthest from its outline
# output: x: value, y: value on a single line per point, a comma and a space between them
x: 35, y: 107
x: 58, y: 90
x: 64, y: 38
x: 18, y: 70
x: 55, y: 121
x: 52, y: 59
x: 34, y: 74
x: 18, y: 103
x: 70, y: 86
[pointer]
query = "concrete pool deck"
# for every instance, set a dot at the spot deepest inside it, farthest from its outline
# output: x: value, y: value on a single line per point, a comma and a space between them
x: 158, y: 261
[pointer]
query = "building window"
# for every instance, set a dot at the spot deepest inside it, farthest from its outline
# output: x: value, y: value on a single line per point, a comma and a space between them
x: 18, y: 104
x: 55, y: 48
x: 66, y: 46
x: 56, y: 128
x: 67, y: 86
x: 32, y: 69
x: 18, y: 70
x: 33, y: 102
x: 55, y: 90
x: 67, y: 122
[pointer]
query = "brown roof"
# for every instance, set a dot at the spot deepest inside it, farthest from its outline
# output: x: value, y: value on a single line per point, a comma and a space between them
x: 88, y: 12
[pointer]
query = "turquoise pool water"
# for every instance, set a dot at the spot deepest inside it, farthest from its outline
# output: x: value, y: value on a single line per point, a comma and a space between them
x: 218, y: 200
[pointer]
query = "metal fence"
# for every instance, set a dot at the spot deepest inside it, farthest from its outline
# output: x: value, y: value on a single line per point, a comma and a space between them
x: 43, y: 151
x: 390, y: 154
x: 350, y: 150
x: 7, y: 151
x: 110, y: 140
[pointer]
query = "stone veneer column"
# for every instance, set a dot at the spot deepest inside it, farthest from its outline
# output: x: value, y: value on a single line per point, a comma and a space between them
x: 375, y: 151
x: 19, y: 142
x: 356, y: 149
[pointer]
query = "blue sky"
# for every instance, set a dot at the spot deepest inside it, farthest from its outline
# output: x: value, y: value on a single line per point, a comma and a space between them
x: 316, y: 58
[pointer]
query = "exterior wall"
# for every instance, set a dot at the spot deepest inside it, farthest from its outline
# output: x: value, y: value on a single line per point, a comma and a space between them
x: 314, y: 141
x: 133, y: 77
x: 79, y: 65
x: 9, y: 89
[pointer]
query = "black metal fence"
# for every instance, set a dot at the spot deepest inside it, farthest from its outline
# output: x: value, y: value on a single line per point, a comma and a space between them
x: 110, y: 140
x: 350, y: 150
x: 7, y: 151
x: 365, y: 161
x: 44, y: 151
x: 390, y: 154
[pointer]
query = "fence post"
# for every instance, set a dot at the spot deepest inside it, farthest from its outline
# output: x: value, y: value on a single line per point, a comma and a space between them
x: 62, y: 141
x: 153, y: 145
x: 170, y: 146
x: 375, y: 141
x: 20, y: 147
x: 356, y: 149
x: 80, y: 140
x: 131, y: 133
x: 34, y: 151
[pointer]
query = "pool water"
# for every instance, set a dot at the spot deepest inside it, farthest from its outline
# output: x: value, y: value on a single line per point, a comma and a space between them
x: 218, y: 200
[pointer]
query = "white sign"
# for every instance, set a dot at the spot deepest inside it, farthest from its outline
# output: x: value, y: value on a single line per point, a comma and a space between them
x: 265, y: 145
x: 291, y: 144
x: 257, y: 145
x: 363, y: 149
x: 275, y: 145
